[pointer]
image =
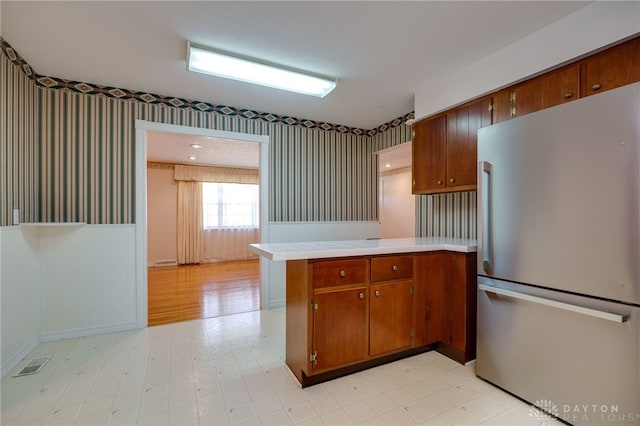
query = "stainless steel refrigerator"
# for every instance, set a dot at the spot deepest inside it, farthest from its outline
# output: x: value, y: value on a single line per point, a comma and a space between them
x: 559, y: 258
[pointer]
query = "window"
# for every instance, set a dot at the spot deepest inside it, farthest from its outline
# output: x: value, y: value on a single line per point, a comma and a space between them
x: 230, y: 205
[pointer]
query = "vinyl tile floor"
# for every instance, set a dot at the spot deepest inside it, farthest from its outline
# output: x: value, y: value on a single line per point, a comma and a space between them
x: 230, y: 370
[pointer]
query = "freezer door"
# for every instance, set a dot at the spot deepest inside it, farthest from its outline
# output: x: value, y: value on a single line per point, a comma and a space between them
x: 576, y: 356
x: 559, y: 197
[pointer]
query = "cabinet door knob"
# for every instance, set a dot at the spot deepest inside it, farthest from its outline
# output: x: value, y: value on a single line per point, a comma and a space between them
x: 377, y: 293
x: 567, y: 95
x: 439, y: 182
x: 361, y: 295
x: 452, y: 180
x: 394, y: 268
x: 343, y: 273
x: 595, y: 86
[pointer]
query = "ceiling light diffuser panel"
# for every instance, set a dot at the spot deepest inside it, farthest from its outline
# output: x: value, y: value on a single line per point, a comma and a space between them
x: 211, y: 61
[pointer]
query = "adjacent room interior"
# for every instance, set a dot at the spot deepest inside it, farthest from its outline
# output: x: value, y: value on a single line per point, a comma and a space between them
x: 203, y: 212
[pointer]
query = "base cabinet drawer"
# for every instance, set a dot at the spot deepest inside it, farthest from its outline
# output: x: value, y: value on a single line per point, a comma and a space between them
x: 388, y: 268
x: 339, y: 272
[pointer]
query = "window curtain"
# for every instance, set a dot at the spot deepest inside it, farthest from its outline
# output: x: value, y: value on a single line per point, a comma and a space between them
x: 229, y: 244
x: 216, y: 174
x: 195, y: 244
x: 190, y: 229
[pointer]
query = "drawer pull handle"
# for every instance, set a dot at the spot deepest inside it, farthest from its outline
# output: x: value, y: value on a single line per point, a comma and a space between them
x: 555, y: 304
x: 361, y: 295
x: 595, y: 87
x: 568, y: 95
x: 394, y: 268
x: 343, y: 273
x: 377, y: 293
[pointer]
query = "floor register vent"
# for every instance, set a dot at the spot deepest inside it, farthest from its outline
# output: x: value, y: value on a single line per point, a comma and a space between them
x: 33, y: 366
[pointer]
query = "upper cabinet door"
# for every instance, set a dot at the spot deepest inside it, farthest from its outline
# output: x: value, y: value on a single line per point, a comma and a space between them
x: 462, y: 141
x: 612, y: 68
x: 560, y: 86
x: 428, y: 153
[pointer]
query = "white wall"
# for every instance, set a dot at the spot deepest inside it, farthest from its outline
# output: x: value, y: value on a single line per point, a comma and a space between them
x: 162, y: 215
x: 397, y: 205
x: 63, y: 282
x: 592, y: 27
x: 273, y: 274
x: 19, y: 296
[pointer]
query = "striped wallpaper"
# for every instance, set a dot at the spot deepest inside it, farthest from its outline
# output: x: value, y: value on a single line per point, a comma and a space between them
x: 69, y: 156
x: 446, y: 215
x: 19, y: 138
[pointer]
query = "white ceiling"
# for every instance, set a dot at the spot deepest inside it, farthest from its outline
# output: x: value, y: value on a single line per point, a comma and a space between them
x: 396, y: 157
x: 175, y: 148
x: 380, y: 51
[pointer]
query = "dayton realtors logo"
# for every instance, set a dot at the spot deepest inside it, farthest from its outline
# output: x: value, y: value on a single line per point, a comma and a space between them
x: 545, y: 410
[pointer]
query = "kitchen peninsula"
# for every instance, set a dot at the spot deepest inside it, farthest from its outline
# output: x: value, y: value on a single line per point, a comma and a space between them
x: 354, y: 304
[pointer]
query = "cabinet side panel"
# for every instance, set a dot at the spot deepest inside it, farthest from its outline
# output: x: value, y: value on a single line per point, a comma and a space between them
x: 429, y: 278
x: 297, y: 316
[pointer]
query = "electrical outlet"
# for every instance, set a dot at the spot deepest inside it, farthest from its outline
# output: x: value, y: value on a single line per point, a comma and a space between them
x: 16, y: 216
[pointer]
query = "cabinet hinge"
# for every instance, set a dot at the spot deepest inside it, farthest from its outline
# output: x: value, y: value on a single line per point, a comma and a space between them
x: 412, y: 333
x: 412, y: 291
x: 313, y: 356
x: 513, y: 97
x: 314, y: 305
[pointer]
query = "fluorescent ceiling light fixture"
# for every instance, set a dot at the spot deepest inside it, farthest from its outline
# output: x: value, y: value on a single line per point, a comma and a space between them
x: 228, y: 65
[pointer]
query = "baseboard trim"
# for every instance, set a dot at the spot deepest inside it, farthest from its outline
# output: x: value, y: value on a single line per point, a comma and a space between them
x: 277, y: 304
x: 88, y: 331
x: 19, y: 356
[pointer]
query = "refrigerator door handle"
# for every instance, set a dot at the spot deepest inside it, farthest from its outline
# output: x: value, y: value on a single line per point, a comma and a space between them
x: 484, y: 198
x: 555, y: 304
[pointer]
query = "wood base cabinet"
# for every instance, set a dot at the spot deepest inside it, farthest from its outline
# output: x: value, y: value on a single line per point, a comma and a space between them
x: 347, y: 314
x: 459, y: 306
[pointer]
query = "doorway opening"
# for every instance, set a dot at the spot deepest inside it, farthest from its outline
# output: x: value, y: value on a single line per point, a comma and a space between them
x: 396, y: 202
x: 210, y: 304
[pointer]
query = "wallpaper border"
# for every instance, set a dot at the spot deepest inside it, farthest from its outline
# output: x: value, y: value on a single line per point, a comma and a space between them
x: 150, y: 98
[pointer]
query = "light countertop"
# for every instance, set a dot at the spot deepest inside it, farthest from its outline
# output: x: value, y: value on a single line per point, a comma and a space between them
x: 328, y: 249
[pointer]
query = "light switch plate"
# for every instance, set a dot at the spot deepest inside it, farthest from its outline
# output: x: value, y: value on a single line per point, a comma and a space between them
x: 16, y: 216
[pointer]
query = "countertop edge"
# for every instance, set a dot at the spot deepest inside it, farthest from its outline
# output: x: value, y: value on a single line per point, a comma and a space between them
x: 364, y: 251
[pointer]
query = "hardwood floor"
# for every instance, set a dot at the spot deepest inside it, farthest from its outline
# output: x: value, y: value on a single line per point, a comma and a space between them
x: 187, y: 292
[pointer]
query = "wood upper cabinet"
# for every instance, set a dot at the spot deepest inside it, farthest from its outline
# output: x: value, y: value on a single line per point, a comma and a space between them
x: 560, y: 86
x: 391, y: 317
x: 445, y: 149
x: 614, y: 67
x: 459, y: 306
x: 518, y: 100
x: 340, y: 332
x: 462, y: 142
x: 429, y: 150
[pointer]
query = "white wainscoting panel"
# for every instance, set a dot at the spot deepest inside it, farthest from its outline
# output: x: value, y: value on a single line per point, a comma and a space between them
x: 88, y: 280
x: 273, y: 274
x: 19, y: 295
